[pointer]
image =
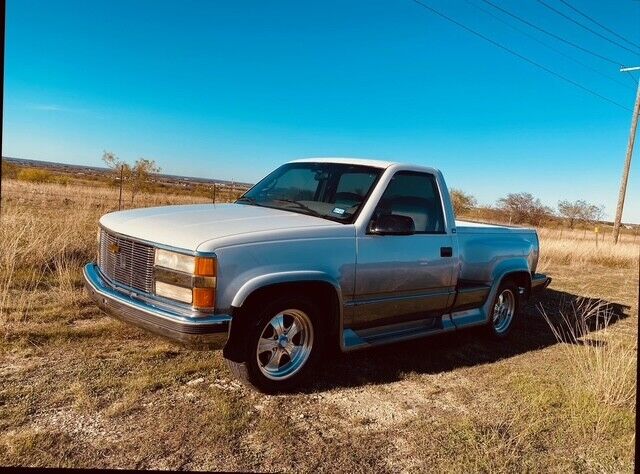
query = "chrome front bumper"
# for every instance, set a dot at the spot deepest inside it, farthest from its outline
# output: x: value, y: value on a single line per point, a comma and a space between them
x: 200, y: 332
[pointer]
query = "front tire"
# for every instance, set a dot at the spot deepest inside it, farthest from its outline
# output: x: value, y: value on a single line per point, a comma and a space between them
x: 504, y: 311
x: 283, y: 343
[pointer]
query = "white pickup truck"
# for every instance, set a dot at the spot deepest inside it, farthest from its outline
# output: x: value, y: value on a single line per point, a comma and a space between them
x: 320, y: 254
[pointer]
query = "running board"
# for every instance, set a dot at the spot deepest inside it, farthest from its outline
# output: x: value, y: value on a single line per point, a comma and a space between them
x: 359, y: 339
x: 468, y: 318
x: 362, y: 338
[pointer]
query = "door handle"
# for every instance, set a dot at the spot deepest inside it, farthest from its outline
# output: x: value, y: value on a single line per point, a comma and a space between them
x: 446, y: 251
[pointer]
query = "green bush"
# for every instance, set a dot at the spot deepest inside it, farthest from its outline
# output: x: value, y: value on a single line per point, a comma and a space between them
x: 33, y: 175
x: 9, y: 170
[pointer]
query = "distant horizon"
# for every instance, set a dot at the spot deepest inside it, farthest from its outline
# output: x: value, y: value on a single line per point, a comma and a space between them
x: 106, y: 168
x: 234, y: 89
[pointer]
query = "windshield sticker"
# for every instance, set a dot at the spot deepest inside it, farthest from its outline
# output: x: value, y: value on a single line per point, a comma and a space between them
x: 338, y: 210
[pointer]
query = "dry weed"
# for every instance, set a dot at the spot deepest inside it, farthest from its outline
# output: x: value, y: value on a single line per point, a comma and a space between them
x: 601, y: 385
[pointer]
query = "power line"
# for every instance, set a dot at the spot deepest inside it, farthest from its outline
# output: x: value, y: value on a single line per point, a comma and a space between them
x: 555, y: 10
x: 632, y: 78
x: 600, y: 24
x: 524, y: 58
x: 548, y: 46
x: 553, y: 35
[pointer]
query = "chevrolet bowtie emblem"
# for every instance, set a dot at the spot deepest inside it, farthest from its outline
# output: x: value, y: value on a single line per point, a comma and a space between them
x: 114, y: 248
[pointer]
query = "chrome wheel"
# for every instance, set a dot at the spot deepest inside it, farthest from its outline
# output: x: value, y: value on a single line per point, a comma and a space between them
x: 285, y: 344
x: 503, y: 311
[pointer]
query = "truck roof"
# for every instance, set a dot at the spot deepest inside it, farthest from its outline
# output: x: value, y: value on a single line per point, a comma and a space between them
x: 382, y: 164
x: 348, y: 161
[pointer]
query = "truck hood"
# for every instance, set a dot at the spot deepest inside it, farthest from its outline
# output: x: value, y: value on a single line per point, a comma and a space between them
x: 188, y: 226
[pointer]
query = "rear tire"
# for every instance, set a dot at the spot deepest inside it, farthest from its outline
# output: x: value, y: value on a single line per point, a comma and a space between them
x: 504, y: 311
x: 284, y: 342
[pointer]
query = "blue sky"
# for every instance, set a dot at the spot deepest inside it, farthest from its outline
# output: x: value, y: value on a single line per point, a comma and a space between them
x: 233, y: 89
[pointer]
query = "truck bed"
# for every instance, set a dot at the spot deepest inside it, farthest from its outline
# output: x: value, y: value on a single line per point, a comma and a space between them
x: 485, y: 248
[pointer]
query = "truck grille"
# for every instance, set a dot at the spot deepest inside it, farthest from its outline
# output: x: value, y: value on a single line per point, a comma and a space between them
x: 126, y: 261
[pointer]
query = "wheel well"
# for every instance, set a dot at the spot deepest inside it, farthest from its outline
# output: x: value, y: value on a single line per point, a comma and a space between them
x: 323, y: 293
x: 522, y: 279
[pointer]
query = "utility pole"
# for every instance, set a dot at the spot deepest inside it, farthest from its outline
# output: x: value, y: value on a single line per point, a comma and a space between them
x: 627, y: 163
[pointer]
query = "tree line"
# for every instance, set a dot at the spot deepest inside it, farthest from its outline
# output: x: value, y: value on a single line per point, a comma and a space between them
x: 517, y: 208
x: 522, y: 208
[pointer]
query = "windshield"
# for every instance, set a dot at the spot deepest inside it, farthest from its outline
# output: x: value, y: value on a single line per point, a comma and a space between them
x: 332, y: 191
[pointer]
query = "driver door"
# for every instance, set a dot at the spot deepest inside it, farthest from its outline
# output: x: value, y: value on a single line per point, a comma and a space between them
x: 405, y: 277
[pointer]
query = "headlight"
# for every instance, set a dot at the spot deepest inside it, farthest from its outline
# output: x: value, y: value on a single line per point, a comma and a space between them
x: 186, y: 278
x: 175, y: 261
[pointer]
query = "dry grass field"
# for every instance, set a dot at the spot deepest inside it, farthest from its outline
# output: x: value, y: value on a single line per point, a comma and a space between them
x: 80, y: 389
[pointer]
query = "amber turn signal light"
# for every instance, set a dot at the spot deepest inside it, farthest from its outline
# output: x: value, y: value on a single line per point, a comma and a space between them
x: 205, y: 266
x: 204, y: 298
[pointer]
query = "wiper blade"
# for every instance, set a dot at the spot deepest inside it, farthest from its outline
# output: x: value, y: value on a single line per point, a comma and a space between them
x: 246, y: 199
x: 301, y: 206
x: 249, y: 200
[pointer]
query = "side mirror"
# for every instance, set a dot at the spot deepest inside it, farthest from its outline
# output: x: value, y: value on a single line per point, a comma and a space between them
x: 390, y: 224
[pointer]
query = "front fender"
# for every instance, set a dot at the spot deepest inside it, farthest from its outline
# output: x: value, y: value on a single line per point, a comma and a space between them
x: 234, y: 349
x: 283, y: 277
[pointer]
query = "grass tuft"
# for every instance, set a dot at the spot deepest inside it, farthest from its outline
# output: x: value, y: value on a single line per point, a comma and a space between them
x: 601, y: 385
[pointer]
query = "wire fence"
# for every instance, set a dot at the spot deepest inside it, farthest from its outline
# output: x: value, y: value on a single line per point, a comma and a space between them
x: 51, y: 196
x: 595, y: 234
x: 556, y: 227
x: 30, y: 197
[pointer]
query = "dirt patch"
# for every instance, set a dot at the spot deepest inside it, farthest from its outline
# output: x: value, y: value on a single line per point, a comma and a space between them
x: 397, y: 402
x: 66, y: 420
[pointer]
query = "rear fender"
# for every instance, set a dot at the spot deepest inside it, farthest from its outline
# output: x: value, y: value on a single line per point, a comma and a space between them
x: 507, y: 269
